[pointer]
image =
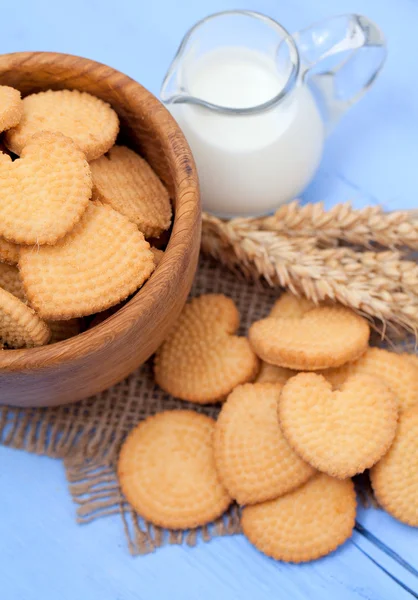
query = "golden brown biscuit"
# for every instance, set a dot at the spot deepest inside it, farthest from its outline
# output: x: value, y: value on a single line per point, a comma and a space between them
x: 289, y: 306
x: 254, y: 461
x: 126, y: 181
x: 11, y: 281
x: 340, y: 432
x: 322, y: 337
x: 102, y: 261
x: 398, y: 372
x: 90, y: 122
x: 274, y: 374
x: 305, y: 524
x: 167, y: 471
x: 9, y: 252
x: 202, y: 360
x: 45, y: 192
x: 20, y: 326
x: 11, y: 107
x: 395, y: 477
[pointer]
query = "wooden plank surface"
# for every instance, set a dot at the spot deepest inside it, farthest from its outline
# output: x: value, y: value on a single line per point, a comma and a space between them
x: 371, y: 157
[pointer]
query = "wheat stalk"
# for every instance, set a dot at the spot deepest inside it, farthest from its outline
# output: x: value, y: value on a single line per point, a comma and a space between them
x: 380, y: 285
x: 341, y: 223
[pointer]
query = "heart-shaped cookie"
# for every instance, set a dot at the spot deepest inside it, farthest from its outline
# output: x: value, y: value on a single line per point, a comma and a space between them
x: 398, y: 371
x: 319, y: 338
x: 102, y: 261
x: 202, y: 360
x: 341, y: 432
x: 45, y: 192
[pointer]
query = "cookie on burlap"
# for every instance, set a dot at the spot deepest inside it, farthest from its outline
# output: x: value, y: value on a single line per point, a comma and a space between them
x: 274, y: 374
x: 90, y: 122
x: 253, y: 459
x: 102, y: 261
x: 166, y: 470
x: 11, y: 107
x: 322, y: 337
x: 288, y: 306
x: 45, y: 192
x: 20, y: 326
x: 63, y: 330
x: 11, y: 281
x: 202, y: 360
x: 126, y: 181
x: 395, y: 477
x: 9, y: 252
x: 396, y: 370
x: 305, y: 524
x: 157, y: 254
x: 341, y: 432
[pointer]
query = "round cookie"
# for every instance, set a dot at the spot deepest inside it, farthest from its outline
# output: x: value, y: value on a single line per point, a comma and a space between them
x: 202, y: 360
x: 90, y: 122
x: 126, y: 182
x: 322, y: 337
x: 398, y: 371
x: 11, y: 107
x: 166, y: 470
x: 340, y: 432
x: 102, y: 261
x: 253, y: 459
x: 9, y: 252
x: 11, y: 281
x: 45, y: 192
x: 395, y: 477
x: 305, y: 524
x: 274, y: 374
x: 20, y: 326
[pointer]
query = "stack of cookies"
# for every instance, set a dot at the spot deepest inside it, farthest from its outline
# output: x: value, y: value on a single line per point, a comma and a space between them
x: 307, y: 405
x: 76, y: 212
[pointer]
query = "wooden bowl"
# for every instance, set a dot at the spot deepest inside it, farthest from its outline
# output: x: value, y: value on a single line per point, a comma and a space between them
x: 96, y: 359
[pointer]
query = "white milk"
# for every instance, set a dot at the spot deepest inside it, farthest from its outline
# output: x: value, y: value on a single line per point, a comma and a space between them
x: 248, y: 165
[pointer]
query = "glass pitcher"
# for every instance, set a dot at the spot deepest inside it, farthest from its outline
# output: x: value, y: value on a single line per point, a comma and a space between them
x: 255, y: 102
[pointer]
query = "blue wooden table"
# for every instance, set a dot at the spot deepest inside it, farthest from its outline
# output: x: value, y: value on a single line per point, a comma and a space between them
x: 372, y: 157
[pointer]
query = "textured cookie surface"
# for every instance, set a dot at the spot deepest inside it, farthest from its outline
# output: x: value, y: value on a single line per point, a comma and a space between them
x: 274, y: 374
x: 11, y: 281
x: 395, y: 477
x: 103, y: 260
x: 11, y: 107
x: 340, y: 432
x: 288, y: 306
x: 305, y: 524
x: 45, y: 192
x: 253, y: 459
x: 167, y: 470
x: 20, y: 326
x: 90, y: 122
x: 9, y: 252
x: 397, y: 370
x: 126, y: 181
x: 322, y: 337
x: 202, y: 360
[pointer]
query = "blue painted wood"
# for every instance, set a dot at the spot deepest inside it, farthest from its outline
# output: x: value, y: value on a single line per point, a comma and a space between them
x: 370, y: 158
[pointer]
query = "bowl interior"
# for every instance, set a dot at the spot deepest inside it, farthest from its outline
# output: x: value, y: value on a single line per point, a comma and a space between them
x: 147, y: 127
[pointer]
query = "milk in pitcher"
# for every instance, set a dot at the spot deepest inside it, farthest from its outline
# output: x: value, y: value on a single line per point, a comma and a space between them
x: 248, y: 163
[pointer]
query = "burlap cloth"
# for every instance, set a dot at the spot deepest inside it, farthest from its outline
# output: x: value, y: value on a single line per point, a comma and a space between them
x: 88, y: 435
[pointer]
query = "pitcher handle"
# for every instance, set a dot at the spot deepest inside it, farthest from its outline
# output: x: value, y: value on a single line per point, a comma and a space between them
x: 340, y: 58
